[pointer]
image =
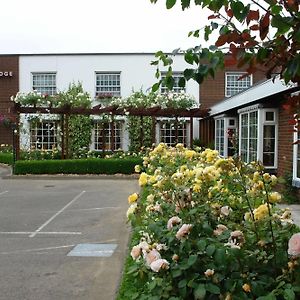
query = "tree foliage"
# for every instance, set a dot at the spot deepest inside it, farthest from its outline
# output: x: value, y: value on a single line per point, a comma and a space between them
x: 258, y: 35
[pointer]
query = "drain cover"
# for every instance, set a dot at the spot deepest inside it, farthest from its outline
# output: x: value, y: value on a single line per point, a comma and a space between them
x: 93, y: 250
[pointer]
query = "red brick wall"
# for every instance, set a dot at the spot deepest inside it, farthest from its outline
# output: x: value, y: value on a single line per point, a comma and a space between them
x: 212, y: 90
x: 8, y: 86
x: 285, y: 143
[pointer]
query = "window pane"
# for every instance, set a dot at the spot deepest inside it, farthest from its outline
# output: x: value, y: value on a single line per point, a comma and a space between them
x: 44, y: 83
x: 106, y: 138
x: 176, y: 87
x: 108, y: 84
x: 236, y: 84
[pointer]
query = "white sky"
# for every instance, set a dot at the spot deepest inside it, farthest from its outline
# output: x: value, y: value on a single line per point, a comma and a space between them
x: 74, y: 26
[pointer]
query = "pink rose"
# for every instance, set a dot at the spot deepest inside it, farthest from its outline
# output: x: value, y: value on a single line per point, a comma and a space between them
x: 136, y: 252
x: 172, y: 221
x: 294, y: 245
x: 152, y: 256
x: 159, y: 264
x: 184, y: 230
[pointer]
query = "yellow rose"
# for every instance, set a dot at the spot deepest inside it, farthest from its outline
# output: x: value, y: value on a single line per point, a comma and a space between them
x: 189, y: 154
x: 261, y: 212
x: 274, y: 197
x: 143, y: 180
x: 132, y: 198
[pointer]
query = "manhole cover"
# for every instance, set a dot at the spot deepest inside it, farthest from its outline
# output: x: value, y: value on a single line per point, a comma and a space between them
x: 48, y: 186
x: 93, y: 250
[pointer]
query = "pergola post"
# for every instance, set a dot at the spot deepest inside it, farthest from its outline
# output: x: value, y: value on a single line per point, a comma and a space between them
x: 63, y: 136
x: 153, y: 135
x: 141, y: 131
x: 191, y: 132
x: 67, y: 135
x: 176, y: 130
x: 112, y: 126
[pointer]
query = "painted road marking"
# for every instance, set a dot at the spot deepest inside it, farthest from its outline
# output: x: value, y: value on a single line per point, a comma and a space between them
x: 44, y: 232
x: 2, y: 193
x: 58, y: 213
x: 38, y: 249
x: 93, y: 250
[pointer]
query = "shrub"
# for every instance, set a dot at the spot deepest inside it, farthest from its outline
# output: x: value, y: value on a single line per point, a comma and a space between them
x: 209, y: 228
x: 6, y: 158
x: 79, y: 166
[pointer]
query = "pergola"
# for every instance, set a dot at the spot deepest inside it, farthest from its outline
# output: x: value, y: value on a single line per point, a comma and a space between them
x: 66, y: 111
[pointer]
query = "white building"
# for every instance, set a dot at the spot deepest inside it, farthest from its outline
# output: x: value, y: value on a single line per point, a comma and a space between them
x: 116, y: 73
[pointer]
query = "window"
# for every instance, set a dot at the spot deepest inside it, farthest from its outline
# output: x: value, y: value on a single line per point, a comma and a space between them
x: 43, y: 135
x: 225, y: 131
x: 220, y: 135
x: 248, y: 132
x: 296, y: 157
x: 44, y: 83
x: 170, y: 135
x: 235, y: 84
x: 108, y: 84
x: 258, y: 135
x: 176, y: 87
x: 105, y: 138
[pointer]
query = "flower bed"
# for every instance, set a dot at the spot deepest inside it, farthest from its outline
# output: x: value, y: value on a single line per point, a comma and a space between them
x: 208, y: 228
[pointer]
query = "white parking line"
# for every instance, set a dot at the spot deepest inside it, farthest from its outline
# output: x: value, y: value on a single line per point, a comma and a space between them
x: 58, y: 213
x: 95, y: 208
x: 44, y: 232
x: 2, y: 193
x: 38, y: 249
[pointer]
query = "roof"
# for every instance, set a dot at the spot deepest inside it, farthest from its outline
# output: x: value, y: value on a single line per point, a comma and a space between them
x: 260, y: 91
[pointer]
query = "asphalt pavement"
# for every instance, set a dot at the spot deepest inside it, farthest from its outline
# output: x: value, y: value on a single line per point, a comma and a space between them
x: 61, y: 238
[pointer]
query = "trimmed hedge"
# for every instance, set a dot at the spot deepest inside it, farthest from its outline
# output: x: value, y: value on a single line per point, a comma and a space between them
x: 77, y: 166
x: 6, y: 158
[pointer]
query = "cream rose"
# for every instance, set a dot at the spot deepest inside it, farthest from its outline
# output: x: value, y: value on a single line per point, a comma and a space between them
x: 159, y: 264
x: 172, y: 221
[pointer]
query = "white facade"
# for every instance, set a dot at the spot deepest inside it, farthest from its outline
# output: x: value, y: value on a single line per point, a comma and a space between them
x: 135, y: 69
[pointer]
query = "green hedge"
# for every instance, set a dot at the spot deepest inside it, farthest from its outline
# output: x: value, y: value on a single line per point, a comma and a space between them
x: 6, y: 158
x: 77, y: 166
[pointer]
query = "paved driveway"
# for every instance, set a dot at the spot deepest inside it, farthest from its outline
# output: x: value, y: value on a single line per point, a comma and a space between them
x: 41, y: 221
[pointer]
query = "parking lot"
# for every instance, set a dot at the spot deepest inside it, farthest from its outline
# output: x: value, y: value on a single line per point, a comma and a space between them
x: 42, y: 224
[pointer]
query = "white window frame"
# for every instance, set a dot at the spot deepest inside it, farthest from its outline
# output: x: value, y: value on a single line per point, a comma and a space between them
x: 226, y: 121
x: 41, y: 88
x: 37, y: 127
x: 240, y: 89
x: 110, y: 89
x: 176, y: 87
x: 296, y: 179
x: 185, y: 137
x: 261, y: 122
x: 116, y: 131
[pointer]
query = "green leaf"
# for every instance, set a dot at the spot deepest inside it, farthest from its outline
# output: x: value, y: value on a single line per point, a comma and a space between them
x: 282, y: 24
x: 176, y: 273
x: 210, y: 250
x: 155, y: 86
x: 182, y: 283
x: 192, y: 259
x: 188, y: 73
x: 288, y: 294
x: 181, y: 82
x: 212, y: 288
x: 185, y: 4
x: 170, y: 3
x: 189, y: 57
x: 201, y: 245
x: 200, y: 292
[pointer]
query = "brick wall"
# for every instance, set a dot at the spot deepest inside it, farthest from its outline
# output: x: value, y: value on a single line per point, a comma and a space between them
x: 285, y: 143
x: 8, y: 86
x: 212, y: 90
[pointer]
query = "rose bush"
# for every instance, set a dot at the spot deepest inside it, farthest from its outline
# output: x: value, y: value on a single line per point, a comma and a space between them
x: 212, y: 230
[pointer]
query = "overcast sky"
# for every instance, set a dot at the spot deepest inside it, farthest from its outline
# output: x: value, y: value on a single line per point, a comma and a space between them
x: 74, y: 26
